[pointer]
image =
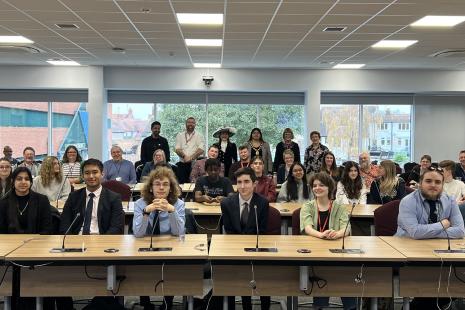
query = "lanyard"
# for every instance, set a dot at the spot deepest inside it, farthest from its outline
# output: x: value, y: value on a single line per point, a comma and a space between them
x: 322, y: 228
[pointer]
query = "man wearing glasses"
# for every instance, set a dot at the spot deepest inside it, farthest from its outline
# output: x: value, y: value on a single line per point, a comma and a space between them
x: 428, y: 212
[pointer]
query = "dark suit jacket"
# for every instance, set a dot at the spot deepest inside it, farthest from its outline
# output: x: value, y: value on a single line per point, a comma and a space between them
x: 110, y: 212
x: 228, y: 157
x: 232, y: 217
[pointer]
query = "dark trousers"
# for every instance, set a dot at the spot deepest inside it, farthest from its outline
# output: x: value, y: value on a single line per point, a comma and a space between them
x: 265, y: 302
x: 184, y: 172
x: 145, y: 302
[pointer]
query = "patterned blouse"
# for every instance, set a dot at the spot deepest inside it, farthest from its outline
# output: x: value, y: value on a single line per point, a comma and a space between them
x: 314, y: 158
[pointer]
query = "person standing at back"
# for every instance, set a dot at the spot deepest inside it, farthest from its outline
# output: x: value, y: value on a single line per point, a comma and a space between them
x: 314, y: 154
x: 152, y: 143
x: 189, y: 146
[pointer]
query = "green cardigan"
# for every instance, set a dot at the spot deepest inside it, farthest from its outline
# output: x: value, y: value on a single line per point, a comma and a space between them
x: 338, y: 217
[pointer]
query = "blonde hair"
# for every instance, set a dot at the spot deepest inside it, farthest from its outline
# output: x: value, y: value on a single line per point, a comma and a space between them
x: 160, y: 173
x: 47, y: 173
x: 389, y: 181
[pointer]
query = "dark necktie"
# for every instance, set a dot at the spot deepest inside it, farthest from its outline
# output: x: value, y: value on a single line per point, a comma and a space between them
x: 88, y: 215
x: 156, y: 221
x: 433, y: 217
x: 245, y: 215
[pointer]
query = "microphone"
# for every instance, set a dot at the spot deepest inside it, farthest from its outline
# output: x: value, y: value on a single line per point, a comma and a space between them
x: 151, y: 248
x: 256, y: 248
x: 63, y: 249
x: 343, y: 249
x: 448, y: 244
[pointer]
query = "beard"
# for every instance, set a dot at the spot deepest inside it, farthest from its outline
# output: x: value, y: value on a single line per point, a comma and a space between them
x: 429, y: 195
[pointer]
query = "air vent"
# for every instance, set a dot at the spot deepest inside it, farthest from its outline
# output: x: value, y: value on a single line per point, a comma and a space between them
x: 452, y: 53
x: 67, y: 26
x: 334, y: 29
x: 15, y: 49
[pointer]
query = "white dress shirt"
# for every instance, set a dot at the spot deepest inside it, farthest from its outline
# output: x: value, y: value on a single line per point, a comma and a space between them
x: 94, y: 222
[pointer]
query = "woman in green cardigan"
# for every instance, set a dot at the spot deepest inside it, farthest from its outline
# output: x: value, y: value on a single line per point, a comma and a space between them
x: 324, y: 218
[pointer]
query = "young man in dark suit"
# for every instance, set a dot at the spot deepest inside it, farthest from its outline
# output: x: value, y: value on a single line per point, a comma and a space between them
x: 239, y: 218
x: 101, y: 210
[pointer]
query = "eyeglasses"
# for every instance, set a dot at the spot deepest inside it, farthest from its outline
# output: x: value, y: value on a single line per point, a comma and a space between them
x: 5, y: 167
x: 438, y: 169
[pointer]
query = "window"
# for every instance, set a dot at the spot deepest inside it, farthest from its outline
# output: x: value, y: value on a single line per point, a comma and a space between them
x: 339, y: 130
x: 128, y: 124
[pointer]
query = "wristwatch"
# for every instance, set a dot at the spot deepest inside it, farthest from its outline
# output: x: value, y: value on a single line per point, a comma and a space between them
x: 145, y: 212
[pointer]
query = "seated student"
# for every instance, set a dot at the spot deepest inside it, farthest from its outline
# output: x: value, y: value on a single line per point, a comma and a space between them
x: 5, y: 176
x: 265, y: 185
x: 119, y: 169
x: 388, y: 187
x: 50, y: 181
x: 452, y: 187
x: 351, y: 188
x: 329, y: 166
x: 158, y: 158
x: 72, y: 164
x: 160, y: 206
x: 239, y: 218
x: 326, y: 219
x: 295, y: 189
x: 244, y: 161
x: 212, y: 188
x: 425, y: 214
x: 414, y: 177
x: 283, y: 169
x: 109, y: 220
x: 23, y: 211
x: 199, y: 169
x: 29, y: 161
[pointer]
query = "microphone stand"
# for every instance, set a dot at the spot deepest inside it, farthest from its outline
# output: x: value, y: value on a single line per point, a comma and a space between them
x: 343, y: 249
x: 448, y: 244
x: 66, y: 250
x: 256, y: 248
x: 151, y: 248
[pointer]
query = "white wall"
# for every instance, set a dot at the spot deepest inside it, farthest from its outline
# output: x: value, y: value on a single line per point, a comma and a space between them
x: 312, y: 82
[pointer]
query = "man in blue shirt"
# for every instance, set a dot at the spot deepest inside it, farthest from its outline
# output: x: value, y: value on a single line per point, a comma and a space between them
x: 119, y: 169
x: 428, y: 212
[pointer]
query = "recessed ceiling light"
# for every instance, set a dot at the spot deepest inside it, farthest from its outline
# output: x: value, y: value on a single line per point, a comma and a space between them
x: 207, y: 65
x: 204, y: 42
x: 394, y: 43
x: 67, y: 26
x: 349, y: 66
x: 59, y: 62
x: 334, y: 29
x: 15, y: 39
x: 438, y: 21
x: 200, y: 19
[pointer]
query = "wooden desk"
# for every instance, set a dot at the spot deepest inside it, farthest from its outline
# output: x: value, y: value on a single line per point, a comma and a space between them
x: 420, y: 276
x: 182, y: 267
x: 277, y: 274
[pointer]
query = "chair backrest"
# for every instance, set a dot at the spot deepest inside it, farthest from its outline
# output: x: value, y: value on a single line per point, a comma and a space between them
x: 274, y: 222
x: 296, y: 222
x: 191, y: 227
x: 118, y: 187
x: 139, y: 169
x: 385, y: 218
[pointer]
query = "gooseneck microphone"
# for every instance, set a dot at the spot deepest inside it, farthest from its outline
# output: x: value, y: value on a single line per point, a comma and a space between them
x: 256, y: 248
x: 63, y: 249
x: 448, y: 244
x: 151, y: 248
x: 343, y: 249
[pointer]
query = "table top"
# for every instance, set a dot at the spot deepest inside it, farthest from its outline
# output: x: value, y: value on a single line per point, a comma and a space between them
x: 231, y: 247
x: 9, y: 243
x: 360, y: 211
x: 194, y: 247
x: 423, y: 250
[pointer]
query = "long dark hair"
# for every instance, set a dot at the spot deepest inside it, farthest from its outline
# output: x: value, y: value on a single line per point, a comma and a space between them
x: 333, y: 169
x: 352, y: 188
x: 65, y: 155
x: 291, y: 184
x: 261, y: 135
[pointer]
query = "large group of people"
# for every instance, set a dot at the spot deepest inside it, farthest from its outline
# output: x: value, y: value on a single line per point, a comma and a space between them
x: 431, y: 195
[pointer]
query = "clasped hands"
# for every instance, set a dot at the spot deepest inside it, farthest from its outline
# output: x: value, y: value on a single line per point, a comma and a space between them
x: 329, y: 234
x: 159, y: 204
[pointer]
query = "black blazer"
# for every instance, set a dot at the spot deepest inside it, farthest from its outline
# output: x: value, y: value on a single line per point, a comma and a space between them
x: 228, y: 157
x: 110, y: 212
x: 232, y: 217
x: 39, y: 215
